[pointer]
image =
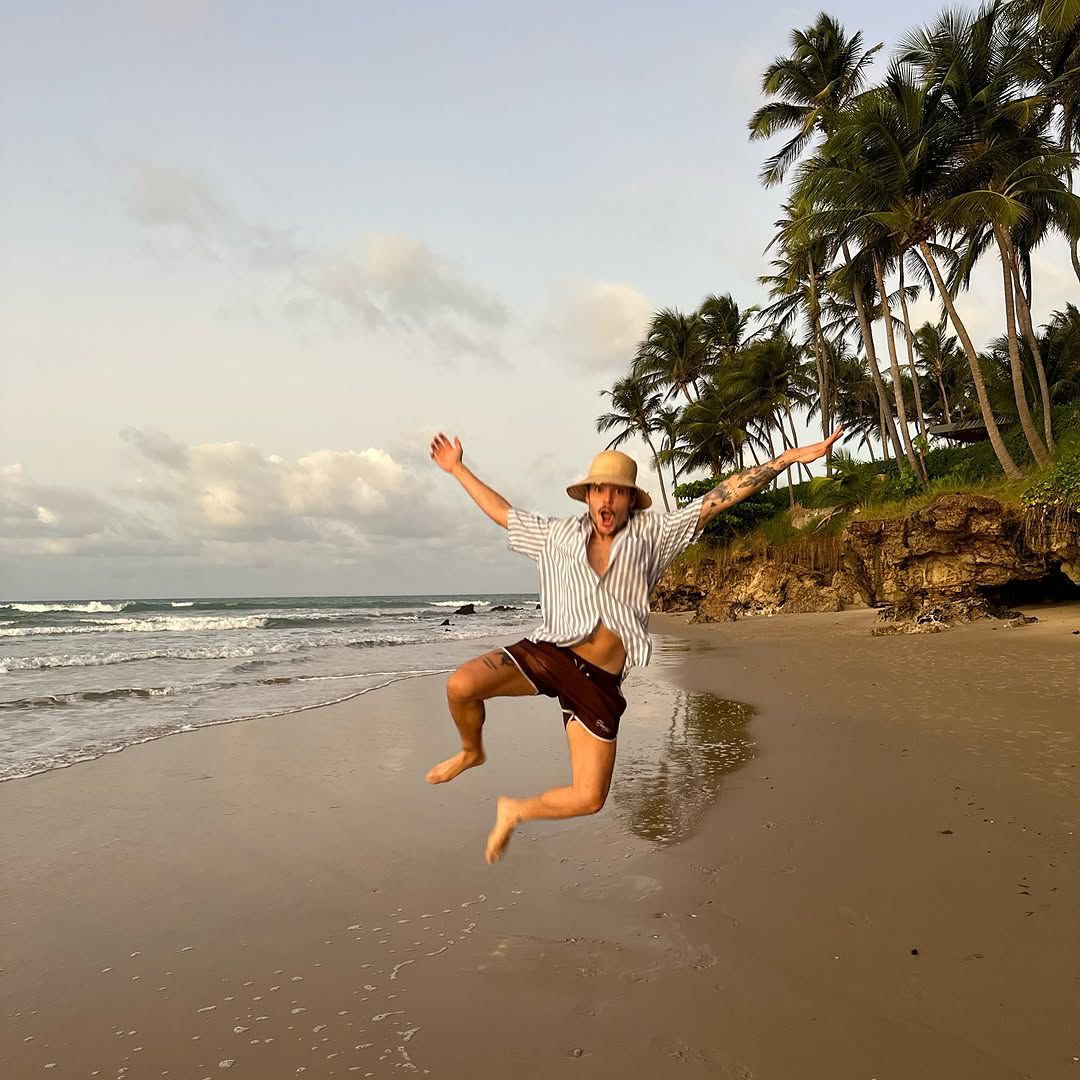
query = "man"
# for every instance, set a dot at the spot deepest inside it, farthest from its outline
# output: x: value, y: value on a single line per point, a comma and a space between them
x: 596, y: 574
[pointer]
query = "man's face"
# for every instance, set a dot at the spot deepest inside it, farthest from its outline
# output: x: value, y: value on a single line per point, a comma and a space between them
x: 609, y: 507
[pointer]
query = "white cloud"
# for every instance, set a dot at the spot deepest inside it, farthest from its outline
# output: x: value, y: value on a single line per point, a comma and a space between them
x: 600, y: 323
x: 37, y: 518
x: 235, y: 503
x: 235, y: 491
x: 385, y: 281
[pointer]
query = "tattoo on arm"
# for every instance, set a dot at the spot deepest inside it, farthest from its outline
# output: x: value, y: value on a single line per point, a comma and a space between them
x: 742, y: 485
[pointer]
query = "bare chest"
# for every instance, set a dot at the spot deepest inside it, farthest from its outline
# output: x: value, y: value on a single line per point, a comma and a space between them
x: 599, y: 555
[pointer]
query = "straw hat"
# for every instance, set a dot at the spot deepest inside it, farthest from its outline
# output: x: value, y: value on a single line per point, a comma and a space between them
x: 611, y: 467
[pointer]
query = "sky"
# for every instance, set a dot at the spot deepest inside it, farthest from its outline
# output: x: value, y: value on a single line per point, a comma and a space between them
x: 255, y: 254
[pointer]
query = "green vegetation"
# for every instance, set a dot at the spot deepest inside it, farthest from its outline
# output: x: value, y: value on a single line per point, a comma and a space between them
x: 965, y: 152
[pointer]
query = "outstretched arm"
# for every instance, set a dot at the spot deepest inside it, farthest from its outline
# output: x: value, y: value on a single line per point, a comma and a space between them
x: 448, y: 457
x: 742, y: 485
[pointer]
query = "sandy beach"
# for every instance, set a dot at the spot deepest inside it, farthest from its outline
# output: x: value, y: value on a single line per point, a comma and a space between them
x: 825, y: 855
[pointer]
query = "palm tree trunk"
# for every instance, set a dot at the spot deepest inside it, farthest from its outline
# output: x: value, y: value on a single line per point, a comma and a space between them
x: 871, y: 356
x: 795, y: 442
x: 912, y: 368
x: 783, y: 439
x: 820, y: 363
x: 887, y: 454
x: 992, y: 430
x: 1023, y: 308
x: 1075, y: 256
x: 944, y: 396
x: 1038, y: 451
x: 659, y: 474
x: 894, y: 367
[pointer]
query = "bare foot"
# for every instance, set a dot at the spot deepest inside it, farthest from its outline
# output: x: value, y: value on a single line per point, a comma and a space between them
x: 506, y: 819
x: 448, y: 769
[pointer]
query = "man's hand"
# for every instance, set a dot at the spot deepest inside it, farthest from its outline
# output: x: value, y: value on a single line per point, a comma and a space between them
x: 806, y: 454
x: 444, y: 453
x: 447, y: 455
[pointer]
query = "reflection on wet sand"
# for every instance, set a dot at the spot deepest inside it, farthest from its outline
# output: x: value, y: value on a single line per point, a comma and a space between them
x: 665, y: 784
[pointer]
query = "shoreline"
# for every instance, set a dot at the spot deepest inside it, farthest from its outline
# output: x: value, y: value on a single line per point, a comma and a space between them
x: 200, y: 874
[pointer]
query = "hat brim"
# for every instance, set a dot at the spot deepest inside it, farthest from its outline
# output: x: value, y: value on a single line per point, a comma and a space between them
x: 577, y: 491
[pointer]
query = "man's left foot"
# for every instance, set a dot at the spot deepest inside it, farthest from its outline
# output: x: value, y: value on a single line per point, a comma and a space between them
x: 506, y: 819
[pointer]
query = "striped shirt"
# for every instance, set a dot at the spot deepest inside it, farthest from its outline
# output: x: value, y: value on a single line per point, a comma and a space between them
x: 575, y: 599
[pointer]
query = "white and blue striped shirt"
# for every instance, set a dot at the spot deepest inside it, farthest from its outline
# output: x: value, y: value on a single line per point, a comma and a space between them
x: 575, y: 599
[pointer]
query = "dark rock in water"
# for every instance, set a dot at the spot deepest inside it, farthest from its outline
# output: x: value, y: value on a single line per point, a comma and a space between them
x: 537, y: 607
x: 445, y: 622
x: 504, y: 607
x: 466, y: 609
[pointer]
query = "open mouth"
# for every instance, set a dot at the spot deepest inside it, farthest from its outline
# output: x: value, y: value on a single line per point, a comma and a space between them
x: 607, y: 518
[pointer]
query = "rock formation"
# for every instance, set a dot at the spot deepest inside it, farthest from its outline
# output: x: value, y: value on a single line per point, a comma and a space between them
x: 959, y: 557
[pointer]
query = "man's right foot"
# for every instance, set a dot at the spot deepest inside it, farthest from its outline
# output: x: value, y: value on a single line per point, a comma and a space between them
x: 448, y: 769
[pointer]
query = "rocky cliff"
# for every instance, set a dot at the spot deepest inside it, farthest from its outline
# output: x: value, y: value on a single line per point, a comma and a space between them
x: 958, y: 556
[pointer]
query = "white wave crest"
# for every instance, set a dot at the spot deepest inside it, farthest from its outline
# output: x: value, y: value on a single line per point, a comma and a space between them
x: 183, y: 603
x: 459, y: 603
x: 41, y: 663
x: 93, y: 607
x: 153, y: 625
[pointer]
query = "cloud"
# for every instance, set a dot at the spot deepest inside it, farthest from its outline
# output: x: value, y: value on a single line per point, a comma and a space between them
x: 385, y: 281
x: 347, y: 501
x: 48, y: 519
x: 182, y: 205
x: 234, y: 503
x: 600, y: 323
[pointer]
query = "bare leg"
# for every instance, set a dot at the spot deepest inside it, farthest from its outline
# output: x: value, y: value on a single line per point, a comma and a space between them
x: 491, y: 675
x: 592, y: 762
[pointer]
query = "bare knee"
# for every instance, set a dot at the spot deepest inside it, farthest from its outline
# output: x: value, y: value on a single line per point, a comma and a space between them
x: 462, y: 685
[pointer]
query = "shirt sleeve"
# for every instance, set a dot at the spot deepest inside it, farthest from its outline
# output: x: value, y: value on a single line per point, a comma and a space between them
x: 676, y: 533
x: 526, y: 533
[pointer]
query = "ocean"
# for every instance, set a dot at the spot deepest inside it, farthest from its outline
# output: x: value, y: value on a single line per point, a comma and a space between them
x: 82, y: 678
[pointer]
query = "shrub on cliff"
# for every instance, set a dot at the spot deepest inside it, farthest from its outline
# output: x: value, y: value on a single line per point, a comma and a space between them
x: 1059, y: 487
x: 741, y: 518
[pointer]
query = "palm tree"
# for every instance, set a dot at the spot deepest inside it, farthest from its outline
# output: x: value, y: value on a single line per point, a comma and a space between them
x: 824, y: 73
x: 713, y: 431
x: 825, y: 70
x: 795, y: 287
x: 858, y: 407
x: 902, y: 292
x: 1050, y: 64
x: 634, y: 408
x: 940, y: 357
x: 890, y: 174
x: 1059, y: 345
x: 674, y: 355
x: 771, y: 381
x: 1007, y: 173
x: 668, y: 423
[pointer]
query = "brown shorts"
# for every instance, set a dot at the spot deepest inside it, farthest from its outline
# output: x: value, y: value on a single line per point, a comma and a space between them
x: 587, y: 693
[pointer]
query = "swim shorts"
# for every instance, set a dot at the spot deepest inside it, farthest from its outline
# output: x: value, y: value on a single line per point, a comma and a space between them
x: 587, y: 693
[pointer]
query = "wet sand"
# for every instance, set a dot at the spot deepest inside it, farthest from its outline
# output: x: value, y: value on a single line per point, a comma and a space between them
x: 287, y: 897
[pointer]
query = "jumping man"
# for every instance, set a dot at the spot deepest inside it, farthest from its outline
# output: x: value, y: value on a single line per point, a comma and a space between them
x: 596, y: 574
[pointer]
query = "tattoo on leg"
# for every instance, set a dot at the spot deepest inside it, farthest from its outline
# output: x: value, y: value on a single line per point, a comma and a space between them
x: 505, y: 660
